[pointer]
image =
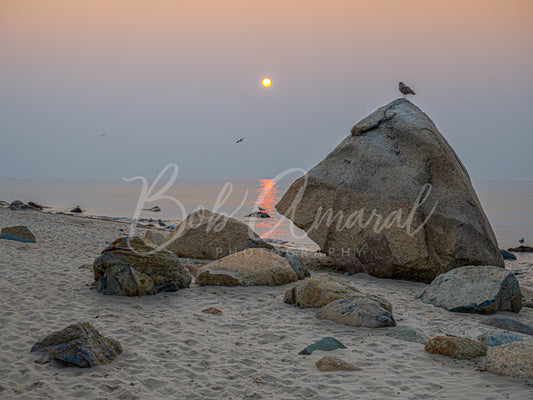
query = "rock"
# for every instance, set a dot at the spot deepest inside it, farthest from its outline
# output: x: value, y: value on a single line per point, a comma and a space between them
x: 522, y: 249
x: 508, y: 255
x: 408, y: 334
x: 18, y: 205
x: 475, y: 289
x: 18, y: 233
x: 296, y: 263
x: 357, y: 311
x: 322, y: 289
x: 133, y: 267
x: 208, y: 235
x: 258, y: 214
x: 330, y: 363
x: 511, y: 324
x: 250, y: 267
x: 212, y: 310
x: 326, y: 344
x: 4, y: 203
x: 511, y: 359
x: 36, y: 205
x: 493, y: 339
x: 77, y: 210
x: 153, y: 209
x: 155, y: 237
x: 456, y: 347
x: 78, y: 345
x: 527, y: 297
x: 393, y: 200
x: 276, y: 241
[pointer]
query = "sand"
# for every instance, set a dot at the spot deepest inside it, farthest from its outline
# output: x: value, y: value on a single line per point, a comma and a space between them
x: 174, y: 351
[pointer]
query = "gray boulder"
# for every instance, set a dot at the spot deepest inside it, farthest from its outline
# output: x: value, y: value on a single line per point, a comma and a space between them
x: 133, y: 267
x: 325, y: 344
x: 408, y: 334
x: 18, y: 233
x: 250, y: 267
x: 78, y: 345
x: 511, y: 324
x: 475, y: 289
x: 357, y: 311
x: 393, y: 200
x: 208, y: 235
x: 154, y: 237
x: 493, y: 339
x: 511, y: 359
x: 321, y: 289
x: 507, y: 255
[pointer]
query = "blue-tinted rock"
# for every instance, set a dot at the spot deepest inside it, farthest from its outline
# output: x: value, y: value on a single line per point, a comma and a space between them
x: 511, y: 324
x: 475, y: 289
x: 78, y: 345
x: 408, y: 334
x: 18, y: 233
x: 493, y: 339
x: 327, y: 344
x: 357, y: 311
x: 507, y: 255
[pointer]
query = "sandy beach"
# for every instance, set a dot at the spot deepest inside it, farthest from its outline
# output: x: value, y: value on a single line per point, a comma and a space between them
x: 250, y: 351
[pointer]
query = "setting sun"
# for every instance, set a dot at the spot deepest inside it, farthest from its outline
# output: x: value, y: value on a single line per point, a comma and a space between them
x: 267, y: 82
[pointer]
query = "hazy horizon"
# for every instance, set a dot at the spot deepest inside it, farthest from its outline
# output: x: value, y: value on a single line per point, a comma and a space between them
x: 179, y: 82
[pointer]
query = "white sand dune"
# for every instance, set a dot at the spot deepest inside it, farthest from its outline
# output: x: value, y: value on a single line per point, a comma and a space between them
x: 173, y: 351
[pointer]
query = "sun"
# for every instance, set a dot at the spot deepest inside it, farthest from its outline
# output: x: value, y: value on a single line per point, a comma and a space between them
x: 266, y: 82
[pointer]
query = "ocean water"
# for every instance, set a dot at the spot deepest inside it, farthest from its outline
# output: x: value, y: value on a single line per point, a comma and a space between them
x: 507, y: 203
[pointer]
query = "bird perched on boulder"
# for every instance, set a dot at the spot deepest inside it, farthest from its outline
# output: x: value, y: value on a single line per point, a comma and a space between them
x: 405, y: 90
x: 161, y: 223
x: 521, y: 241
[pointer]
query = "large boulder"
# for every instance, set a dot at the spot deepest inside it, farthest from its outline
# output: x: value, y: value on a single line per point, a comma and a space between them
x: 511, y: 324
x: 78, y: 345
x: 475, y: 289
x: 296, y: 263
x: 511, y: 359
x: 134, y: 267
x: 250, y: 267
x: 393, y: 200
x: 322, y: 289
x: 408, y: 334
x: 18, y: 233
x: 357, y: 311
x: 456, y: 347
x: 208, y: 235
x: 493, y: 339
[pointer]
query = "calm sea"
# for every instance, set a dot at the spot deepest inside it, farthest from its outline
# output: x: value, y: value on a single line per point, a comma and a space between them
x: 507, y: 203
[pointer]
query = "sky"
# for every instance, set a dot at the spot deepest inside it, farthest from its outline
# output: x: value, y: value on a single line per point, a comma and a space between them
x: 178, y: 81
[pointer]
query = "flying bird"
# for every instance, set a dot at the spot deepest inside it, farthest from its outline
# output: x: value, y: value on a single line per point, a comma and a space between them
x: 405, y: 90
x: 103, y: 134
x: 521, y: 241
x: 240, y: 140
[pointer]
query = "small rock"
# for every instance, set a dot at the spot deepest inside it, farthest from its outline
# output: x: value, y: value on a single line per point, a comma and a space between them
x: 511, y: 324
x: 508, y: 255
x: 475, y: 289
x: 78, y: 345
x: 511, y: 359
x: 456, y: 347
x: 326, y: 344
x: 330, y: 363
x: 36, y: 205
x: 357, y: 311
x: 521, y: 249
x: 408, y: 334
x: 212, y: 310
x: 258, y: 214
x: 493, y: 339
x: 77, y: 210
x: 4, y: 203
x: 18, y: 205
x: 153, y: 209
x: 18, y: 233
